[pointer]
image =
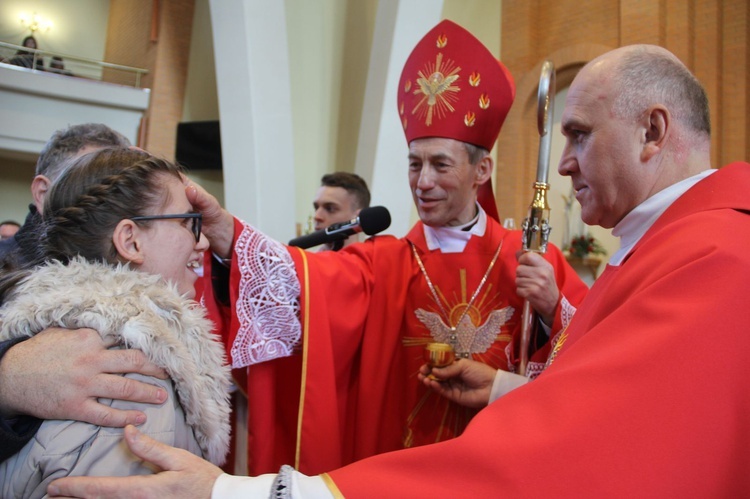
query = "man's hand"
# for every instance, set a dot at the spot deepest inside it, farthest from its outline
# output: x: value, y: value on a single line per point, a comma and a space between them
x: 466, y: 382
x: 535, y: 282
x: 60, y: 373
x: 184, y: 475
x: 218, y: 223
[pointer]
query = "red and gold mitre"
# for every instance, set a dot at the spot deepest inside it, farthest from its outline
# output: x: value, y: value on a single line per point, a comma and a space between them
x: 453, y: 87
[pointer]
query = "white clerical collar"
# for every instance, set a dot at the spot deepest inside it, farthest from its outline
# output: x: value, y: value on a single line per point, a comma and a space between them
x: 634, y: 225
x: 454, y: 239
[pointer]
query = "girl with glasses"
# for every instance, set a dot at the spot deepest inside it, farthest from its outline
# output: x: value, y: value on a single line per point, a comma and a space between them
x: 117, y: 253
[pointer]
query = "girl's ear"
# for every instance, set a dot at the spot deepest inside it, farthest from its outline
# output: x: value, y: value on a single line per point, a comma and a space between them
x: 126, y: 240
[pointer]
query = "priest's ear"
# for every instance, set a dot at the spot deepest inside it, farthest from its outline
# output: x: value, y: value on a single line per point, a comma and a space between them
x: 656, y: 124
x: 127, y: 242
x: 39, y: 188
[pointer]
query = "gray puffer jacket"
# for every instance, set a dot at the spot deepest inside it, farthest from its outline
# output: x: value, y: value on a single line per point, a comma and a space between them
x: 139, y: 311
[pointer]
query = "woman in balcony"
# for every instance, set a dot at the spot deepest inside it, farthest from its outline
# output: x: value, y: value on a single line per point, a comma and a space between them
x: 28, y: 59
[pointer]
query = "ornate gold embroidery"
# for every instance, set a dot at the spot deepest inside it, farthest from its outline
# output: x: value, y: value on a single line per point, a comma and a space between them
x: 558, y: 345
x: 436, y: 84
x: 407, y: 85
x: 474, y: 79
x: 469, y: 119
x: 484, y: 101
x: 401, y: 109
x: 442, y: 41
x: 464, y: 330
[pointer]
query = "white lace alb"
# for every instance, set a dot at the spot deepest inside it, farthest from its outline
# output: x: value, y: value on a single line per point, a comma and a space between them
x: 268, y: 303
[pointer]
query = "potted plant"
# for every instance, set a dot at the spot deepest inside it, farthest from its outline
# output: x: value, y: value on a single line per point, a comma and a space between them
x: 584, y: 246
x: 585, y: 250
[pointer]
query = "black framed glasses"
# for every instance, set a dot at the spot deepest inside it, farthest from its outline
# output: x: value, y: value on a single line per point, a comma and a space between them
x: 197, y: 221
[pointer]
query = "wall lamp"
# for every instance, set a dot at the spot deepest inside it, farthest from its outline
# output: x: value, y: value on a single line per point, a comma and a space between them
x: 35, y: 22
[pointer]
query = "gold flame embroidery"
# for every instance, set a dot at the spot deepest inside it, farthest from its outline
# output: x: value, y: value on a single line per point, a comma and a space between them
x: 401, y: 109
x: 556, y: 349
x: 469, y: 119
x: 407, y: 85
x: 435, y: 83
x: 484, y: 101
x: 474, y: 79
x: 442, y: 41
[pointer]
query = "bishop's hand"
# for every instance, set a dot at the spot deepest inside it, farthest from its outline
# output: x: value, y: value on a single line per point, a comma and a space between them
x: 535, y: 282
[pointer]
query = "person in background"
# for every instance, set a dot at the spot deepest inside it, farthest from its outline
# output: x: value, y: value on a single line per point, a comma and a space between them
x: 27, y: 59
x: 57, y: 66
x: 64, y: 144
x: 8, y: 229
x: 645, y: 392
x: 340, y: 198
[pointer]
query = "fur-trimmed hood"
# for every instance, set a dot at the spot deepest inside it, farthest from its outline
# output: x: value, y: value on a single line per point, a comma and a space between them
x: 139, y: 311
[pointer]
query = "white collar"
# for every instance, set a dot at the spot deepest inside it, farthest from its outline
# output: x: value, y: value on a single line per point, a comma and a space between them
x: 454, y: 239
x: 634, y: 225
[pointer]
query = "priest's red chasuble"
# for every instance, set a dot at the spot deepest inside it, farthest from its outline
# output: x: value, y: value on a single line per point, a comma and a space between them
x: 647, y: 392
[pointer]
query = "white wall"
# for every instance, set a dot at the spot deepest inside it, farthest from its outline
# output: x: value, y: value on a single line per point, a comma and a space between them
x: 315, y: 46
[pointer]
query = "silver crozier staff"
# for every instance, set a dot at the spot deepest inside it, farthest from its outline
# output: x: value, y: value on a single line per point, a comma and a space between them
x: 536, y: 226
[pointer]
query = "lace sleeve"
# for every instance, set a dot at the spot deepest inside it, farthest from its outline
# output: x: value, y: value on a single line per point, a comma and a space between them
x: 567, y: 311
x: 268, y: 300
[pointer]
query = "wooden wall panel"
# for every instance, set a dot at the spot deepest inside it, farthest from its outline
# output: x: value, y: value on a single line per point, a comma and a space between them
x: 128, y: 39
x: 707, y: 66
x: 734, y: 86
x: 154, y: 35
x: 678, y: 34
x: 170, y: 75
x: 640, y: 21
x: 565, y: 23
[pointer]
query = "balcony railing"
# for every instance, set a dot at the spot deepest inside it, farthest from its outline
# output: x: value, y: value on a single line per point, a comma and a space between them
x: 45, y: 60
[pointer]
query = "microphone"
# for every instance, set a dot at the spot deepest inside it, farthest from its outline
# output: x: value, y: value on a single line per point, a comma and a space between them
x: 370, y: 221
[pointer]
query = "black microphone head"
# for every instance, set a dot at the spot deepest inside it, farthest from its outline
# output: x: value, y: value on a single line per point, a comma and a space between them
x: 374, y: 219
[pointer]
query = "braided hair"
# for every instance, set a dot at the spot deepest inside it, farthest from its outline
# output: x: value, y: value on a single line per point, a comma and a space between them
x: 92, y: 195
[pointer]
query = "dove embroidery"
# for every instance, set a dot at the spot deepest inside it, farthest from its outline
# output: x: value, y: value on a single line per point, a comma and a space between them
x: 465, y: 337
x: 437, y: 89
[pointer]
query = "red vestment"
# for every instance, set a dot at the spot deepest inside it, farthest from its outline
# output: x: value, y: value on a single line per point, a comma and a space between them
x: 353, y: 391
x: 647, y: 393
